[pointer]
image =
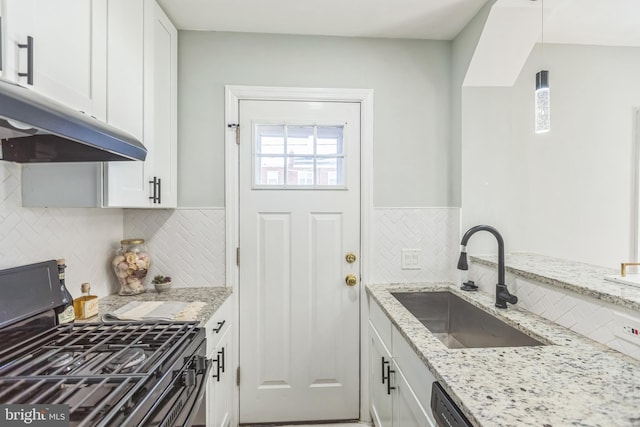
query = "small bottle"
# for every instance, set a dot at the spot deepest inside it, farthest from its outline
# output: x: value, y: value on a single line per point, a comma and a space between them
x: 65, y: 313
x: 86, y: 305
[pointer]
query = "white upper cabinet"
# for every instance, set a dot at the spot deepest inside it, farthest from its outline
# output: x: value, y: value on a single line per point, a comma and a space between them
x: 58, y: 48
x: 145, y: 103
x: 140, y: 83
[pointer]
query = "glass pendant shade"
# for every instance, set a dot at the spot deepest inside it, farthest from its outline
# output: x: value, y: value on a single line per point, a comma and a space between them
x: 542, y: 102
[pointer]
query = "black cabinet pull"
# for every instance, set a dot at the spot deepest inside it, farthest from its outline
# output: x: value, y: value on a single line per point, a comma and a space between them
x: 216, y: 372
x: 29, y: 47
x: 384, y: 363
x: 219, y: 327
x: 389, y: 372
x: 219, y: 361
x: 159, y: 192
x: 221, y: 353
x: 156, y: 185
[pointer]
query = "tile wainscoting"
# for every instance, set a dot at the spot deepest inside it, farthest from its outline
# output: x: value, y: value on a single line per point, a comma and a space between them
x: 587, y: 316
x: 433, y: 231
x: 188, y: 244
x: 85, y: 238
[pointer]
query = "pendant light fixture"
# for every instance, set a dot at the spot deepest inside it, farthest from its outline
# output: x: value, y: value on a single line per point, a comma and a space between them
x: 542, y: 96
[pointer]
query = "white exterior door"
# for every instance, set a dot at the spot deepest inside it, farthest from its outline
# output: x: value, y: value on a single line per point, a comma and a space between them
x: 299, y: 217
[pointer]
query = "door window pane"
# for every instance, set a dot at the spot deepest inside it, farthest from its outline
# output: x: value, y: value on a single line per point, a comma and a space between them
x: 269, y: 170
x: 295, y: 156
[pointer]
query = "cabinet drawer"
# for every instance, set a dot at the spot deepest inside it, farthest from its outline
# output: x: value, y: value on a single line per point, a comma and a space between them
x: 380, y: 322
x: 217, y: 326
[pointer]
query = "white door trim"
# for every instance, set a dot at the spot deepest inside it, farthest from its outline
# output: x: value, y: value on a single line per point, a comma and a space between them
x: 233, y: 95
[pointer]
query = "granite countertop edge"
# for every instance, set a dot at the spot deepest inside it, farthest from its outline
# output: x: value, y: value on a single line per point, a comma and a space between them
x: 577, y: 277
x: 213, y: 297
x: 570, y: 381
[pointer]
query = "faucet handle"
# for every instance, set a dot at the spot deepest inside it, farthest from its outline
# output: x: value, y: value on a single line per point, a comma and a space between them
x: 624, y: 265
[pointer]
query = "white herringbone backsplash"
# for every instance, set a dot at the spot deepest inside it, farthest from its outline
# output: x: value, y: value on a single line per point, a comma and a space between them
x: 434, y: 231
x: 186, y: 244
x: 587, y: 316
x: 83, y: 237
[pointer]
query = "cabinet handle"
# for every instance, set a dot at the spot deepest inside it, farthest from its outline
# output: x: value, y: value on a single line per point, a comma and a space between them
x: 159, y: 192
x: 219, y: 361
x: 216, y: 372
x: 29, y: 47
x: 384, y: 363
x: 219, y: 328
x: 156, y: 190
x: 389, y: 372
x: 221, y: 353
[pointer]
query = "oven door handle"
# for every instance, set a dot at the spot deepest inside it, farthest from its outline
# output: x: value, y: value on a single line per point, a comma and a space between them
x: 199, y: 396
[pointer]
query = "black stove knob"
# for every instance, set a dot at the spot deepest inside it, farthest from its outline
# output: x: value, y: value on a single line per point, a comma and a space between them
x: 189, y: 378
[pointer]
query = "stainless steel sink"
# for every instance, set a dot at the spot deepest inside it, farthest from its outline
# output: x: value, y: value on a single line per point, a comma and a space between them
x: 459, y: 324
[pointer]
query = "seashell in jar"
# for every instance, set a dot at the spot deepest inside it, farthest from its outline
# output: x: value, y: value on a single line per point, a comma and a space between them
x: 117, y: 260
x: 130, y: 271
x: 140, y: 264
x: 130, y: 257
x: 122, y: 274
x: 123, y: 266
x: 140, y: 274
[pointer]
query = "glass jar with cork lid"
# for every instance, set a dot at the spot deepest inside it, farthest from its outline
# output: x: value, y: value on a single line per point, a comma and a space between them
x: 131, y: 265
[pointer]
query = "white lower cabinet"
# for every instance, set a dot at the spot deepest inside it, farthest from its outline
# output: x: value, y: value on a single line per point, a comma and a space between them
x: 216, y: 410
x: 400, y: 384
x: 220, y: 384
x: 380, y: 391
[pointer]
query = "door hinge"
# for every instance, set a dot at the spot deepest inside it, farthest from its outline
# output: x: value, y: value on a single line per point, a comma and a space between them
x: 236, y: 127
x: 238, y: 257
x: 238, y: 376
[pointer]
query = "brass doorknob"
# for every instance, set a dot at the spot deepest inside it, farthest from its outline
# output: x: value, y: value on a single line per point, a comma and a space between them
x: 351, y: 257
x: 351, y: 280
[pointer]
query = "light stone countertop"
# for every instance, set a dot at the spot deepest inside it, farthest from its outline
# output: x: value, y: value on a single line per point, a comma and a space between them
x: 585, y: 279
x: 571, y: 381
x: 212, y: 296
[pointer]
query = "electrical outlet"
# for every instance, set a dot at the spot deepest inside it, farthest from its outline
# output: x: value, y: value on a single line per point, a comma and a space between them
x: 411, y: 259
x: 627, y: 327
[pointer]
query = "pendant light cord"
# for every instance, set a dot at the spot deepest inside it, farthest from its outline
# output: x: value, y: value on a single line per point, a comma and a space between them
x: 542, y: 30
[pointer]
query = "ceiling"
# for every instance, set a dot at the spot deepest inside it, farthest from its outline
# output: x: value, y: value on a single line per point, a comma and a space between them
x: 414, y: 19
x: 598, y: 22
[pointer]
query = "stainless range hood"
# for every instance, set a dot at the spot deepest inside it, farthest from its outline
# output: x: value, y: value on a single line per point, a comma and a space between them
x: 35, y: 129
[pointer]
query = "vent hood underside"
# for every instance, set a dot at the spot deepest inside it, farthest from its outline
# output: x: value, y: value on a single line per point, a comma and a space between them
x: 36, y: 129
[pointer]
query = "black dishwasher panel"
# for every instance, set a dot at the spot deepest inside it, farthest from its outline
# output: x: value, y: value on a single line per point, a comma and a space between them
x: 445, y: 411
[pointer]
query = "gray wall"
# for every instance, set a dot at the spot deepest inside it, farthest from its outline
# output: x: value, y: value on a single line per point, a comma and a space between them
x: 411, y: 80
x: 566, y: 193
x: 462, y: 49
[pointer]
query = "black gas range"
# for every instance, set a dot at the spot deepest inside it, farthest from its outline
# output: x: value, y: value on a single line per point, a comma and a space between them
x: 107, y: 374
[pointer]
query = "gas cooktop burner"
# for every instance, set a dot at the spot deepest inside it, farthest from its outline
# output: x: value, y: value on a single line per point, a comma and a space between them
x: 126, y: 361
x: 64, y: 360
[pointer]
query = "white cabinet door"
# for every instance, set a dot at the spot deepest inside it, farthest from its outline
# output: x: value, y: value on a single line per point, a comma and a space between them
x: 407, y: 410
x: 142, y: 73
x: 222, y: 379
x: 161, y: 114
x: 126, y: 183
x: 68, y: 50
x: 380, y: 388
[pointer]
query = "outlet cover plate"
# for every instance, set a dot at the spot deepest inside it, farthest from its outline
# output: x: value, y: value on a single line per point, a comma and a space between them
x: 627, y: 327
x: 411, y: 259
